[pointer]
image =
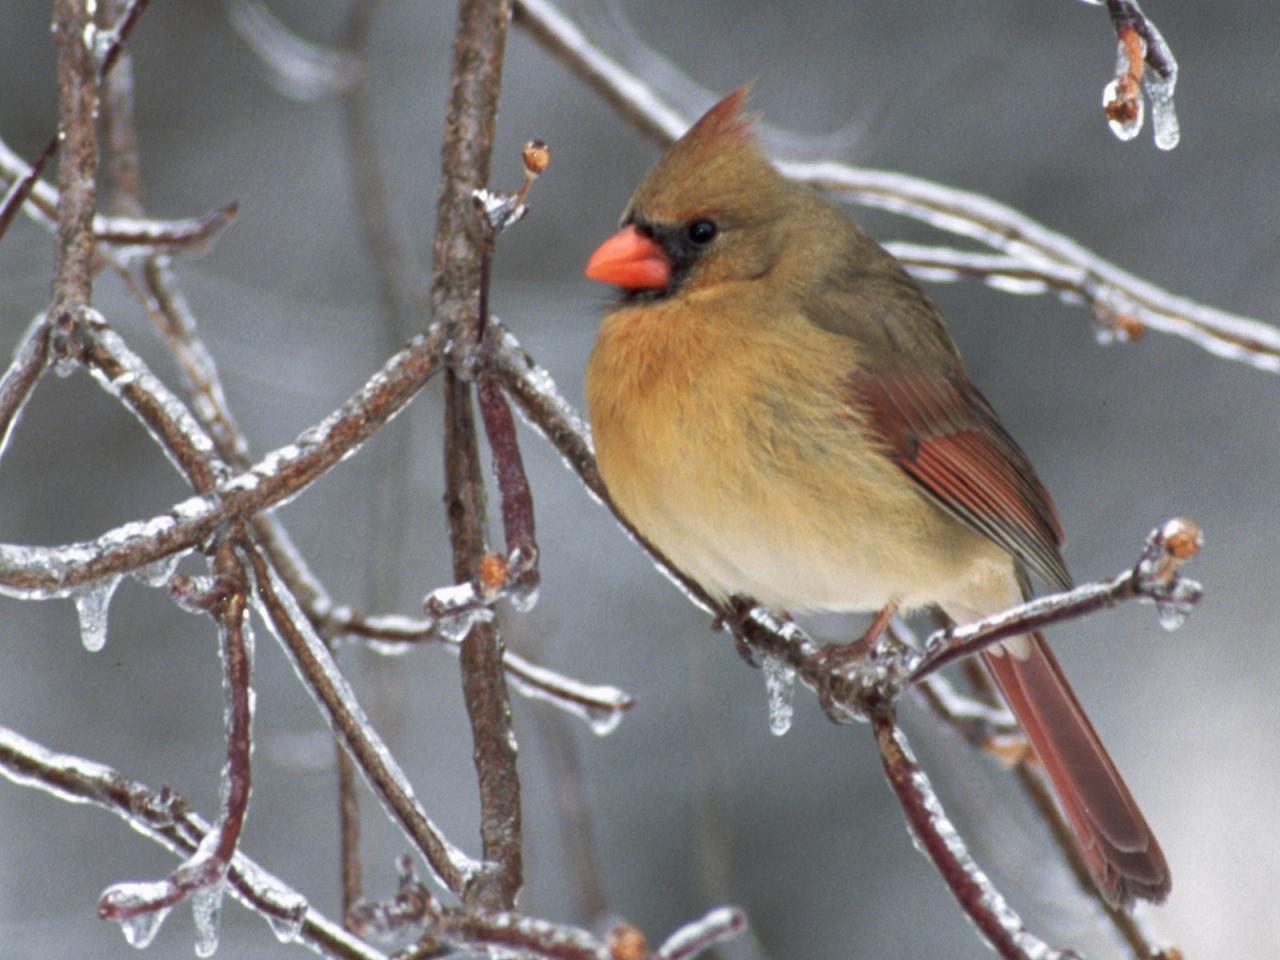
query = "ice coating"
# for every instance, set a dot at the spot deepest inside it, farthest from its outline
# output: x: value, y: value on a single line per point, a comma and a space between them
x: 992, y: 901
x: 141, y: 928
x: 601, y: 707
x: 323, y: 660
x: 716, y: 927
x: 1130, y: 127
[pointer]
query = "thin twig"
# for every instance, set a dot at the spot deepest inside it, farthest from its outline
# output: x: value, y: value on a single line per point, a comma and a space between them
x: 939, y: 841
x: 78, y: 168
x: 455, y: 870
x: 203, y: 873
x: 280, y: 475
x: 86, y: 88
x: 1153, y: 578
x: 601, y: 706
x: 457, y: 303
x: 30, y: 360
x: 168, y: 819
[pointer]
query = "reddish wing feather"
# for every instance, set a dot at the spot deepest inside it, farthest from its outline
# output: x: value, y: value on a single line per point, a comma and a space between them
x: 945, y: 436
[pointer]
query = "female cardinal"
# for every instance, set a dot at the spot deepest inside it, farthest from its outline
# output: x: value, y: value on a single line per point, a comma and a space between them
x: 780, y: 409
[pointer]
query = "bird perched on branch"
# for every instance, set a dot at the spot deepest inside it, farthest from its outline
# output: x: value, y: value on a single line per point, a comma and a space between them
x: 780, y: 409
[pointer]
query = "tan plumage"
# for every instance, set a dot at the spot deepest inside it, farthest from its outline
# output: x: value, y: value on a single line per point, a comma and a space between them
x: 779, y: 408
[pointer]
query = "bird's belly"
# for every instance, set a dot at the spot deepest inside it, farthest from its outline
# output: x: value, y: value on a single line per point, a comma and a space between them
x: 840, y: 538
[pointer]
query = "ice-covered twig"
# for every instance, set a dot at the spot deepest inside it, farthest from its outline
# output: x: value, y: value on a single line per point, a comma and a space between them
x: 318, y: 672
x: 128, y: 237
x: 445, y: 929
x: 77, y: 168
x: 165, y: 817
x: 996, y: 225
x: 122, y: 373
x: 30, y: 360
x: 296, y: 67
x: 600, y: 705
x: 1144, y: 63
x: 76, y: 81
x: 1154, y: 579
x: 938, y: 840
x: 459, y: 291
x: 202, y: 877
x: 277, y: 477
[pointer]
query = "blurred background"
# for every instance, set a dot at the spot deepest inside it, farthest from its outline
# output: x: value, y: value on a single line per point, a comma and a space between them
x: 693, y: 802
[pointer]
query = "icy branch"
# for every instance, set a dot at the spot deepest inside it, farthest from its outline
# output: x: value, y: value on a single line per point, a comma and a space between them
x: 279, y: 476
x: 77, y: 97
x: 443, y: 929
x: 1144, y: 63
x: 1153, y: 579
x: 942, y: 844
x: 142, y: 907
x: 602, y: 707
x: 166, y: 818
x: 320, y: 675
x: 1112, y: 292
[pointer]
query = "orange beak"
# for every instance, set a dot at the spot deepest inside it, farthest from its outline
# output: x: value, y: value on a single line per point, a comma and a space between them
x: 630, y: 260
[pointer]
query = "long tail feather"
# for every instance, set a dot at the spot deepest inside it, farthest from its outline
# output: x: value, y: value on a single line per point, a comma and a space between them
x: 1118, y: 847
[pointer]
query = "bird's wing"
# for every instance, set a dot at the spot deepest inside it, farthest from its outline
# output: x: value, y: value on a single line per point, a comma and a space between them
x: 944, y: 435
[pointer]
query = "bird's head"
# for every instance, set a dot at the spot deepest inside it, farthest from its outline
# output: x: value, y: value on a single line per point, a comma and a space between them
x: 706, y: 214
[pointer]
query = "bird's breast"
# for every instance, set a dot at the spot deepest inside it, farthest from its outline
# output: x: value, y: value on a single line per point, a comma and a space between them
x: 730, y: 446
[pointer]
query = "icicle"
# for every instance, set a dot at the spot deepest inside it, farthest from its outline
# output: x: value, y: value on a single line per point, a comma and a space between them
x: 780, y: 684
x: 206, y: 910
x: 92, y: 603
x: 141, y: 929
x: 157, y: 573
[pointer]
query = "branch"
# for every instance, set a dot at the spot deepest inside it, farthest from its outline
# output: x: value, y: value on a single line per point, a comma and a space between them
x: 938, y: 840
x: 602, y: 707
x: 316, y: 669
x: 457, y: 302
x: 77, y: 93
x: 1110, y: 291
x: 44, y: 572
x: 444, y: 930
x: 1154, y: 579
x: 202, y: 877
x: 166, y: 818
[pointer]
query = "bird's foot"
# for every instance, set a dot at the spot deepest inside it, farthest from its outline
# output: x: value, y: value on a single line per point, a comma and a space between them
x: 850, y: 681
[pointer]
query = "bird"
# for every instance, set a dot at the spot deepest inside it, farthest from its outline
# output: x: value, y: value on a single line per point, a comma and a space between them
x: 779, y: 409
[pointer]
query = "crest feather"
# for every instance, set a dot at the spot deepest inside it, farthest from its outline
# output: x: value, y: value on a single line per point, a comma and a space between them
x: 724, y: 124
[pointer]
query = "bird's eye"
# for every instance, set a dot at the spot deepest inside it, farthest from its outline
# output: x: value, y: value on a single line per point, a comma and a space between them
x: 702, y: 232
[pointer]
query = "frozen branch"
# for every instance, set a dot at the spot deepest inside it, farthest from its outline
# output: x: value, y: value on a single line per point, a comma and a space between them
x: 458, y: 303
x: 318, y: 672
x: 1154, y: 579
x: 202, y: 877
x: 444, y: 930
x: 128, y: 236
x: 77, y: 95
x: 602, y: 707
x: 277, y: 477
x: 1144, y: 63
x: 166, y: 818
x: 1112, y: 292
x: 30, y: 360
x: 938, y: 840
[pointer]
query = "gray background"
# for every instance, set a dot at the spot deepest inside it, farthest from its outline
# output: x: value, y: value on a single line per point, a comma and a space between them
x: 694, y: 801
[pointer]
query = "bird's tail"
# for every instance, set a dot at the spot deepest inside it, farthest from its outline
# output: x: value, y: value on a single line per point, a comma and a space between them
x: 1118, y: 847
